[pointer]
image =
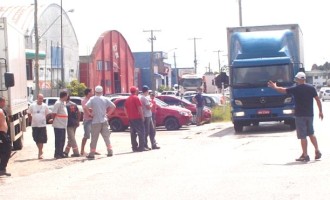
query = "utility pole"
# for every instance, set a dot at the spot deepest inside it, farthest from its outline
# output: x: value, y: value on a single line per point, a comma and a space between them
x: 152, y: 70
x: 240, y: 12
x: 36, y: 37
x: 176, y: 70
x: 195, y: 56
x: 218, y: 51
x: 62, y: 49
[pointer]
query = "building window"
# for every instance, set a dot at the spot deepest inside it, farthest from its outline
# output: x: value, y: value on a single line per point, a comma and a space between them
x: 99, y: 65
x: 316, y: 77
x: 107, y: 65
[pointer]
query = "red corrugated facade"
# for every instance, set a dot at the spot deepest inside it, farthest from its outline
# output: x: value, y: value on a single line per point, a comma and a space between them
x: 111, y: 64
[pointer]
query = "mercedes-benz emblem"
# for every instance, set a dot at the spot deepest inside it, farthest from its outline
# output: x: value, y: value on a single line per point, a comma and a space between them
x: 262, y: 100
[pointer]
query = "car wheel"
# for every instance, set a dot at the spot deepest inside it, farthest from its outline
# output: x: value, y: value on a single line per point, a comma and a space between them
x: 172, y: 124
x: 116, y: 125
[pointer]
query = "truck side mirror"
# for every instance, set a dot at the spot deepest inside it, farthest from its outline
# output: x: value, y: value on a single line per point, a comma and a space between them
x: 9, y: 79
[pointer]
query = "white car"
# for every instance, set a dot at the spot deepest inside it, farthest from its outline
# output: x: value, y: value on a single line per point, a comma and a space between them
x: 50, y: 101
x: 322, y: 91
x: 325, y: 95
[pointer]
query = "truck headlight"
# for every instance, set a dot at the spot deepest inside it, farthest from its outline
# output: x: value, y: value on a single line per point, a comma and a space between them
x: 288, y: 111
x: 288, y: 100
x: 238, y: 102
x: 238, y: 114
x: 183, y: 113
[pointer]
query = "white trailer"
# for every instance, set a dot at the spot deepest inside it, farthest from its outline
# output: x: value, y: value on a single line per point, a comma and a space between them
x: 12, y: 61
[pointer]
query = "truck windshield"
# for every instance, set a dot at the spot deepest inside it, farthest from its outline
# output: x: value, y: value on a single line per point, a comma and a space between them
x: 260, y: 75
x: 192, y: 82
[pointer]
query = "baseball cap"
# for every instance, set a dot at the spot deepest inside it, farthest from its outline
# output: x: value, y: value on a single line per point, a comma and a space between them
x: 145, y: 88
x: 300, y: 75
x: 133, y: 89
x: 98, y: 88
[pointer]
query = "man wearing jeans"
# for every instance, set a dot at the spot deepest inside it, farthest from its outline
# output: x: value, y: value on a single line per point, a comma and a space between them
x: 303, y: 96
x: 87, y: 119
x: 101, y: 107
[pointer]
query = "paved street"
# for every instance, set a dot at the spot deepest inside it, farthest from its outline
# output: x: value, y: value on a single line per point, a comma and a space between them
x: 206, y: 162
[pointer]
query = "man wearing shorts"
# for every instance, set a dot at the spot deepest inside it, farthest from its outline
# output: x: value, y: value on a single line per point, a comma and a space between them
x: 37, y: 115
x: 303, y: 95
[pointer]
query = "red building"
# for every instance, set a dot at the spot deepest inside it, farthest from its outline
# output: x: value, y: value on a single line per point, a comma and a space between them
x: 111, y: 64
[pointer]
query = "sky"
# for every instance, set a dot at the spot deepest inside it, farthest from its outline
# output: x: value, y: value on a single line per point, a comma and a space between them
x: 177, y: 22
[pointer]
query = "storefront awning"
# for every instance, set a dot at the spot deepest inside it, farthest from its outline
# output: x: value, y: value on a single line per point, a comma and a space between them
x: 31, y: 54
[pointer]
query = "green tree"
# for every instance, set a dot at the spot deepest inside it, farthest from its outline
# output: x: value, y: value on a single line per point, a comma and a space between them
x: 76, y: 88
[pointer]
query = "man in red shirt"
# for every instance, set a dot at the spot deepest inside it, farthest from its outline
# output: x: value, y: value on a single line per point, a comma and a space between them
x: 133, y: 109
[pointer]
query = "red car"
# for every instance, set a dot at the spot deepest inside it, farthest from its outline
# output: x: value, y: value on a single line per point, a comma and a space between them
x: 172, y: 117
x: 174, y: 100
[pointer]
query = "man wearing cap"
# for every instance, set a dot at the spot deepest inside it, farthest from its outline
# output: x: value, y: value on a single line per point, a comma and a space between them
x: 148, y: 122
x: 133, y: 110
x: 101, y: 107
x: 303, y: 96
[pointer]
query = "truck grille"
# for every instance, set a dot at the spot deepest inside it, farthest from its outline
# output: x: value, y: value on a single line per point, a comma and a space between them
x: 263, y: 102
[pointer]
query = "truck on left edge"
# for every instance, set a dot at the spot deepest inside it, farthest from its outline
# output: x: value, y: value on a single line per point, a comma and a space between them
x: 13, y: 80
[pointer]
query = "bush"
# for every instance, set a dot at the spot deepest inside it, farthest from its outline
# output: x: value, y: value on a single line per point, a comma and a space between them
x: 221, y: 113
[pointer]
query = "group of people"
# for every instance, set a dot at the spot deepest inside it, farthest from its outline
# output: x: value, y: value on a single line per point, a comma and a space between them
x: 141, y: 112
x: 65, y: 118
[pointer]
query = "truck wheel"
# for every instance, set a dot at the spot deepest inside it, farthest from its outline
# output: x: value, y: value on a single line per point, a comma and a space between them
x: 18, y: 144
x: 116, y: 125
x: 172, y: 124
x: 238, y: 127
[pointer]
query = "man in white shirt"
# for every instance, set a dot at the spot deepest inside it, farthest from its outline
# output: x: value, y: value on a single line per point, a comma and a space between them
x: 37, y: 115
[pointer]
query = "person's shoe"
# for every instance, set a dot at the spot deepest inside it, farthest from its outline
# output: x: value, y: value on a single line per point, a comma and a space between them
x: 146, y: 147
x: 4, y: 173
x: 97, y: 153
x: 91, y: 157
x: 75, y: 155
x: 155, y: 147
x: 318, y: 155
x: 58, y: 156
x: 40, y: 156
x: 110, y: 153
x: 134, y: 149
x: 303, y: 158
x: 65, y: 155
x: 142, y: 149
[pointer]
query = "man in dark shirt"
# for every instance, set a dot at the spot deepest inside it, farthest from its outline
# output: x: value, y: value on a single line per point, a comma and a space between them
x: 303, y: 95
x: 199, y: 100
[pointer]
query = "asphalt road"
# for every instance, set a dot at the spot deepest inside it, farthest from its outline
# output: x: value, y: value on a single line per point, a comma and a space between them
x: 206, y: 162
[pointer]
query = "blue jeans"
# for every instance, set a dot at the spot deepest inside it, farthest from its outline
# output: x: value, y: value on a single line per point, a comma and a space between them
x: 59, y: 141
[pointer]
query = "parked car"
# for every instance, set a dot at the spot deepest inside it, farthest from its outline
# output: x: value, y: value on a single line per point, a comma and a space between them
x: 169, y: 93
x: 172, y: 117
x: 325, y: 95
x: 50, y: 101
x: 178, y: 101
x: 322, y: 89
x: 209, y: 101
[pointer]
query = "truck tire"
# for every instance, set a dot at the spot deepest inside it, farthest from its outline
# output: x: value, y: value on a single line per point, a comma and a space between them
x: 18, y: 144
x: 116, y: 125
x: 172, y: 123
x: 238, y: 127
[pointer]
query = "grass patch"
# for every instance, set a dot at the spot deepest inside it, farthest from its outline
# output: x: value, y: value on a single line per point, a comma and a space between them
x: 221, y: 113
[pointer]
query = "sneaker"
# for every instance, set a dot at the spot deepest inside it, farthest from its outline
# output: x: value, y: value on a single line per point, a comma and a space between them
x: 303, y: 158
x: 317, y: 155
x: 75, y: 155
x: 110, y: 153
x: 65, y: 155
x: 58, y: 156
x: 155, y: 147
x: 4, y: 173
x: 91, y: 157
x: 142, y: 149
x: 146, y: 147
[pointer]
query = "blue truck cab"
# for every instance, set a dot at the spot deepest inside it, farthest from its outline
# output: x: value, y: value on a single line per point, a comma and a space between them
x: 257, y: 54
